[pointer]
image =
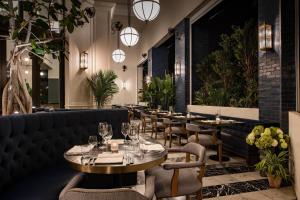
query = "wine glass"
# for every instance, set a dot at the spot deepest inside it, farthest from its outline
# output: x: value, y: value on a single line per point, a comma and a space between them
x: 108, y: 133
x: 101, y: 130
x: 125, y: 129
x: 133, y: 134
x: 93, y: 140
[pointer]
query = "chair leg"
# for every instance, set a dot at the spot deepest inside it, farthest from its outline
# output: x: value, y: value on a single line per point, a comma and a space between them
x: 165, y: 136
x: 199, y: 195
x: 152, y: 131
x: 156, y: 133
x: 220, y: 151
x: 188, y: 197
x: 179, y: 140
x: 170, y: 143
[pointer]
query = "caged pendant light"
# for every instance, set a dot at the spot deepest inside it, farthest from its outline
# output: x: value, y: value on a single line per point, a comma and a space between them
x: 146, y: 10
x: 118, y: 55
x: 129, y: 35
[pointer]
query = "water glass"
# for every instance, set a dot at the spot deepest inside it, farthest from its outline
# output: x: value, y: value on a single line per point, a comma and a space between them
x: 125, y: 130
x: 93, y: 140
x: 101, y: 130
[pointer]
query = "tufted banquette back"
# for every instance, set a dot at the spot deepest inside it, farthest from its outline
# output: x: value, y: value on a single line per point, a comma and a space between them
x: 31, y: 142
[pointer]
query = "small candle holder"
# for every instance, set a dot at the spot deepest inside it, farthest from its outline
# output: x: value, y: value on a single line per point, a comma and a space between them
x: 114, y: 147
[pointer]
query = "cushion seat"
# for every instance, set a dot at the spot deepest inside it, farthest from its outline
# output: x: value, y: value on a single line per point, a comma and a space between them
x: 205, y: 140
x: 187, y: 182
x: 45, y: 184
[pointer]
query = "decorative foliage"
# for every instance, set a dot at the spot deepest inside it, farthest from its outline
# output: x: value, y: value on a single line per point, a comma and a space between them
x: 273, y: 144
x: 30, y: 30
x: 103, y: 86
x: 268, y: 138
x: 228, y: 76
x: 275, y: 165
x: 159, y: 92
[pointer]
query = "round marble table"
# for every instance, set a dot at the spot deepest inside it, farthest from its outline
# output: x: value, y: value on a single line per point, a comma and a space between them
x: 147, y: 161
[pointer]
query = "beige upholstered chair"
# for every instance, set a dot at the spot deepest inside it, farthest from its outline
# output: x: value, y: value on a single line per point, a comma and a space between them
x: 181, y: 179
x: 173, y: 128
x: 156, y: 124
x: 71, y: 192
x: 205, y: 137
x: 146, y: 120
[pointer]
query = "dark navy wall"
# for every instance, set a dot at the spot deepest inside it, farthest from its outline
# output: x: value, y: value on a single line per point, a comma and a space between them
x: 157, y: 61
x: 182, y: 41
x: 277, y: 83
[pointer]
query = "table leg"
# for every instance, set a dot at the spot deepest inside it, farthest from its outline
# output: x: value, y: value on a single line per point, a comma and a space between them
x: 216, y: 157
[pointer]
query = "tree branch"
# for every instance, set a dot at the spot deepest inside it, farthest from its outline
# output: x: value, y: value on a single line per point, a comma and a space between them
x: 12, y: 16
x: 28, y: 32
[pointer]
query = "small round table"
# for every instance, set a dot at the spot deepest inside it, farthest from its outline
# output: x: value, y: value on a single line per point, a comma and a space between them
x: 121, y: 172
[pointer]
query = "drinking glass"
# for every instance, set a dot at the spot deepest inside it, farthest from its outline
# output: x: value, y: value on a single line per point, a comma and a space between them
x: 101, y: 131
x: 134, y: 136
x: 108, y: 133
x: 93, y: 140
x: 125, y: 129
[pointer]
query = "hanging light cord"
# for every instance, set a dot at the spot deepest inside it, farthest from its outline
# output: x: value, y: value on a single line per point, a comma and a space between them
x: 129, y: 13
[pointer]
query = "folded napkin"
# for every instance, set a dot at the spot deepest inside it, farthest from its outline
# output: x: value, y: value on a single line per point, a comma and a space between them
x: 77, y: 149
x: 119, y: 141
x: 109, y: 158
x: 152, y: 147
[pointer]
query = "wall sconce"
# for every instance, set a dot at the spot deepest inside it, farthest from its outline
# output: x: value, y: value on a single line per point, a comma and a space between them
x: 84, y: 60
x: 177, y: 68
x: 148, y: 80
x: 124, y: 67
x: 124, y: 85
x: 265, y: 37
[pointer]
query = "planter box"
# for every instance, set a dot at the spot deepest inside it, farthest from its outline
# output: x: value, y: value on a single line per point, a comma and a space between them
x: 235, y: 112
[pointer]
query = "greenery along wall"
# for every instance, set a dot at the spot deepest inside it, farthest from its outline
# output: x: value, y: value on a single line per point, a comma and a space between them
x: 229, y: 76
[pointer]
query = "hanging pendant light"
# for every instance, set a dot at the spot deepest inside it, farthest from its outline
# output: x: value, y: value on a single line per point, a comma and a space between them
x: 118, y: 55
x: 146, y: 10
x: 129, y: 35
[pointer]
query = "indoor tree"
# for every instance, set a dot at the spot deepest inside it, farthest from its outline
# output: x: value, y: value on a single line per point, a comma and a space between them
x: 30, y: 24
x: 103, y: 86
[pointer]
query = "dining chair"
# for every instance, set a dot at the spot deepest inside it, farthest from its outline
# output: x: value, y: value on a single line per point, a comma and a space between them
x: 173, y: 128
x: 146, y: 120
x: 72, y: 192
x: 205, y: 137
x: 180, y: 179
x: 156, y: 125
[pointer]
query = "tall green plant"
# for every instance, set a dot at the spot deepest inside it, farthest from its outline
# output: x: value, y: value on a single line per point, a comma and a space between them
x: 228, y: 76
x: 159, y: 92
x: 103, y: 86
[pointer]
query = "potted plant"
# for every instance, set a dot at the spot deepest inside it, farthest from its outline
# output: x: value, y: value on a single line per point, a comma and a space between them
x: 103, y: 86
x: 273, y: 144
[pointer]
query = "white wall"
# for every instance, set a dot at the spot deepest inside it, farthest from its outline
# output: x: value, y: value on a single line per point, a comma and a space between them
x: 95, y: 39
x: 128, y: 95
x: 294, y: 132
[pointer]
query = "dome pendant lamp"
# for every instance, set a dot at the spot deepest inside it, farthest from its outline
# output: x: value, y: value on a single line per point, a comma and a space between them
x: 146, y: 10
x: 118, y: 55
x: 129, y: 35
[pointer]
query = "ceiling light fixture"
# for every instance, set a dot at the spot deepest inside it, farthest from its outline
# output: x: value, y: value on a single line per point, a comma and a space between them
x: 146, y: 10
x: 129, y: 35
x: 118, y: 55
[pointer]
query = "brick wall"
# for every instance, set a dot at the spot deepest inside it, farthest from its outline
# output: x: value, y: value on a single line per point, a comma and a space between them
x: 182, y: 57
x: 277, y: 66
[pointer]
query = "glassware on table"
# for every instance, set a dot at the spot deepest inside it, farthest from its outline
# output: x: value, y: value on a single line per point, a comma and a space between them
x: 93, y: 140
x: 108, y: 133
x: 102, y: 132
x: 125, y: 130
x: 134, y: 135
